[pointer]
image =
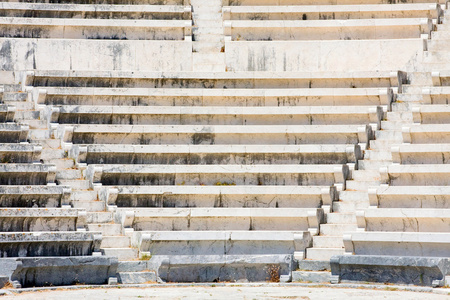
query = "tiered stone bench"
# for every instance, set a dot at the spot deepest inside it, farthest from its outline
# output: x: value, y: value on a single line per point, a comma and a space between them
x: 92, y: 11
x: 212, y: 174
x: 30, y: 196
x: 218, y: 196
x: 213, y: 97
x: 327, y: 29
x: 430, y: 174
x: 215, y: 154
x: 41, y: 219
x: 410, y: 196
x: 215, y: 134
x: 421, y: 153
x: 217, y: 115
x: 302, y: 11
x: 39, y: 244
x: 27, y: 174
x: 13, y: 133
x: 19, y: 153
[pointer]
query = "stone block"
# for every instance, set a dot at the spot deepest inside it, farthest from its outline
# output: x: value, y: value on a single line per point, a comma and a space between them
x: 423, y: 174
x: 422, y: 271
x: 421, y: 153
x: 54, y: 271
x: 410, y: 197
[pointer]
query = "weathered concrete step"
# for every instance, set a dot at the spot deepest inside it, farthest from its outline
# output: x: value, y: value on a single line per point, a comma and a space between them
x: 121, y: 253
x: 361, y: 186
x: 336, y: 229
x: 374, y: 164
x: 84, y: 195
x: 136, y: 277
x: 76, y: 184
x: 314, y: 265
x: 106, y: 229
x: 349, y: 207
x: 353, y: 196
x: 99, y: 217
x: 90, y: 206
x: 337, y: 218
x: 323, y: 253
x: 311, y: 276
x: 328, y: 242
x: 115, y: 242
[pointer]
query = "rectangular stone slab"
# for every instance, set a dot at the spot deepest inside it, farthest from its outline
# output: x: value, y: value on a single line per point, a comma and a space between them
x: 392, y: 269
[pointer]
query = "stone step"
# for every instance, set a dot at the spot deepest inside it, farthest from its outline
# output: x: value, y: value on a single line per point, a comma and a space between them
x: 411, y: 98
x: 208, y: 58
x: 336, y: 229
x: 393, y: 125
x: 53, y: 155
x: 67, y: 174
x: 84, y: 195
x: 395, y: 116
x: 207, y: 47
x: 26, y: 115
x: 311, y: 276
x: 362, y: 186
x: 337, y: 218
x: 208, y: 23
x: 75, y: 184
x: 353, y: 196
x: 134, y: 266
x: 208, y: 37
x: 40, y: 134
x: 137, y: 277
x: 409, y: 89
x: 121, y: 253
x: 51, y: 144
x: 374, y: 164
x: 383, y: 144
x: 402, y: 106
x: 349, y: 207
x: 323, y: 253
x: 12, y: 96
x: 90, y: 206
x: 389, y: 135
x: 328, y: 242
x: 209, y: 67
x: 99, y: 217
x: 115, y: 242
x: 21, y: 106
x: 60, y: 163
x: 313, y: 265
x: 366, y: 175
x: 376, y: 155
x: 106, y: 229
x: 207, y: 30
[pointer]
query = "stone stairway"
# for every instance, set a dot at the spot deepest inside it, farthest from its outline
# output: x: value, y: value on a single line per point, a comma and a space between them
x: 208, y: 38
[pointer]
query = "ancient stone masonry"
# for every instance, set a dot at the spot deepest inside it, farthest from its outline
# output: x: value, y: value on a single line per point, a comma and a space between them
x: 224, y: 140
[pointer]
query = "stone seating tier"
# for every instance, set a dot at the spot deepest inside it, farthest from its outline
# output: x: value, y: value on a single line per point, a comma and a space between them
x: 317, y: 2
x: 48, y: 196
x: 38, y: 244
x: 216, y: 154
x: 55, y: 28
x: 404, y: 219
x: 357, y: 29
x: 218, y: 196
x: 219, y: 115
x: 432, y: 114
x: 225, y: 243
x: 27, y: 174
x: 410, y: 196
x: 426, y: 133
x: 7, y: 113
x: 213, y: 97
x: 214, y: 134
x: 19, y: 153
x: 421, y: 153
x: 214, y: 80
x: 41, y: 219
x: 13, y: 133
x: 436, y: 95
x: 417, y: 175
x: 211, y: 174
x: 214, y: 219
x: 424, y: 244
x: 92, y: 11
x: 339, y: 12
